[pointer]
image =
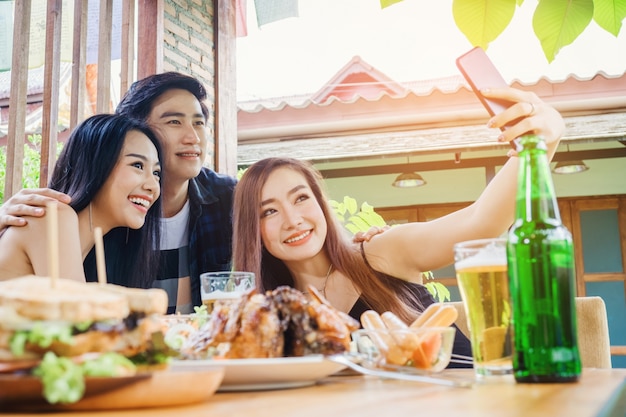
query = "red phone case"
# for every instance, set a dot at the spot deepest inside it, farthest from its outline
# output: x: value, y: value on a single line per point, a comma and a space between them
x: 480, y: 73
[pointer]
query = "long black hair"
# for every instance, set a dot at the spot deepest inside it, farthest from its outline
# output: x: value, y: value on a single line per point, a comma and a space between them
x: 84, y: 165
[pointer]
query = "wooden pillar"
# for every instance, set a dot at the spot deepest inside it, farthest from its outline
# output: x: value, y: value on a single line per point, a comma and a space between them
x: 128, y: 45
x: 225, y: 87
x: 50, y: 114
x: 490, y: 172
x: 79, y: 61
x: 17, y: 101
x: 150, y: 37
x: 103, y: 101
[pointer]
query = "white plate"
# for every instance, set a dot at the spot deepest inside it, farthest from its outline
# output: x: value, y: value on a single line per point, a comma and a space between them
x: 266, y: 374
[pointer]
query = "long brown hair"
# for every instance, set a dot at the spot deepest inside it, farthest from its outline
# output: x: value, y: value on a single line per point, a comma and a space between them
x: 271, y: 272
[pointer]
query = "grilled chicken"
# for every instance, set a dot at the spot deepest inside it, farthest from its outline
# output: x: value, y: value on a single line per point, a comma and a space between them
x: 281, y: 322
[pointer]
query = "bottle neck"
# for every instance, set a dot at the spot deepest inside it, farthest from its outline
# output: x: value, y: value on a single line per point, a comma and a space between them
x: 536, y: 198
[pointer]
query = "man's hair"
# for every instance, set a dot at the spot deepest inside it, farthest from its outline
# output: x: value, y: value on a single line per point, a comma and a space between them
x: 138, y: 100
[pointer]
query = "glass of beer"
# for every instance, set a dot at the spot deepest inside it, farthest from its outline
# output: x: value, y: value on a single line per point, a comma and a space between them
x: 224, y: 285
x: 481, y: 271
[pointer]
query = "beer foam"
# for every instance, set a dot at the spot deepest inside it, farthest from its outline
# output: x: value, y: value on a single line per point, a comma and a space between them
x: 222, y: 295
x: 489, y: 256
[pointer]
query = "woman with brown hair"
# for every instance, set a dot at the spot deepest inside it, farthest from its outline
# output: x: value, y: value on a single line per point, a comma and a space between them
x: 287, y: 234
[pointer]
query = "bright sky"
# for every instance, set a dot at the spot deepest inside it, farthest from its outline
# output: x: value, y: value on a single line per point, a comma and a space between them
x: 411, y: 40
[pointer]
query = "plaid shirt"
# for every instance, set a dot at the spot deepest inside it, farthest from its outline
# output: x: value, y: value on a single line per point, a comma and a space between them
x: 210, y: 226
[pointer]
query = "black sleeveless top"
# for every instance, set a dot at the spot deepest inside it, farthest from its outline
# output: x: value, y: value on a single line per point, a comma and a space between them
x: 423, y: 298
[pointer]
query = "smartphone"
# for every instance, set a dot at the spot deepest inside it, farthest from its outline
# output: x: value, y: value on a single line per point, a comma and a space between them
x: 480, y: 73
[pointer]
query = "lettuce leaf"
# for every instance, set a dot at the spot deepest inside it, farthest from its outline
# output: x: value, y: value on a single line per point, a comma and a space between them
x: 62, y: 379
x: 40, y: 335
x: 108, y: 364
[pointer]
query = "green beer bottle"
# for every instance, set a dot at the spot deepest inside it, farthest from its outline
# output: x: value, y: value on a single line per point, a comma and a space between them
x: 540, y: 258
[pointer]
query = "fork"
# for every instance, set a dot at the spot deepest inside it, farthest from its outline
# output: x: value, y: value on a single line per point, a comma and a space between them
x: 461, y: 359
x: 344, y: 360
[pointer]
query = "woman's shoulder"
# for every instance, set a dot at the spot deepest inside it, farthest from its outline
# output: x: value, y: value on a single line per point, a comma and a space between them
x: 65, y: 215
x: 64, y: 212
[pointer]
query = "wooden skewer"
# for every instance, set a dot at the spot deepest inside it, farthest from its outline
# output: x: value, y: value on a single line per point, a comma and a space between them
x: 100, y: 264
x: 53, y: 242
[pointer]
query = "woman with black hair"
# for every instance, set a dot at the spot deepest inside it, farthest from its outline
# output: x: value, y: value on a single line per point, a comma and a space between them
x: 111, y: 169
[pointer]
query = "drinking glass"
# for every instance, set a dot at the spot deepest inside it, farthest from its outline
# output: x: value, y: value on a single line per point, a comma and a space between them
x: 224, y: 285
x: 481, y: 270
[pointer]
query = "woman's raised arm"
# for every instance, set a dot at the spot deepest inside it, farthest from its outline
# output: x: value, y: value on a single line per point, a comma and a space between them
x: 406, y: 250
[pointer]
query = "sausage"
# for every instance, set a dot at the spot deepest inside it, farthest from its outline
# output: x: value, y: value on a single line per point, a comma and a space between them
x: 444, y: 317
x: 371, y: 320
x: 436, y: 315
x: 426, y: 314
x: 393, y: 354
x: 399, y: 332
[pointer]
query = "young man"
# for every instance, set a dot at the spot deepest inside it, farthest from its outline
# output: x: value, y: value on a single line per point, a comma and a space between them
x: 196, y: 226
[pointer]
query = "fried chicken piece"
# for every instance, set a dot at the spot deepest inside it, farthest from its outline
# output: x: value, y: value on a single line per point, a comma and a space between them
x: 245, y: 328
x: 291, y: 305
x: 221, y: 327
x: 279, y: 323
x: 312, y: 327
x: 260, y: 332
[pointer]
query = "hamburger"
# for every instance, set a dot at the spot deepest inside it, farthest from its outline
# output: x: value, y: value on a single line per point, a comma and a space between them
x: 78, y: 329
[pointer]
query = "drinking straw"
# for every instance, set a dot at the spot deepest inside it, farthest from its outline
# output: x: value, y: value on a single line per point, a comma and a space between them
x: 100, y: 265
x: 53, y: 241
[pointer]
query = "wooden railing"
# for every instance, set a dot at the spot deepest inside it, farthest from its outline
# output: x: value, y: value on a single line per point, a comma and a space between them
x: 149, y: 40
x: 149, y: 12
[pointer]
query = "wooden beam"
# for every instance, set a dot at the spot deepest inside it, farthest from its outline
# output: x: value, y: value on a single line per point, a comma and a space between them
x: 17, y: 101
x: 79, y: 61
x: 150, y: 37
x: 128, y: 46
x: 103, y: 101
x: 464, y: 163
x: 225, y: 88
x: 52, y: 72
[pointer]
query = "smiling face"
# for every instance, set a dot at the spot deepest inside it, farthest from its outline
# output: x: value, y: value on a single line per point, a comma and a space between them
x: 132, y: 187
x: 176, y: 117
x: 293, y: 226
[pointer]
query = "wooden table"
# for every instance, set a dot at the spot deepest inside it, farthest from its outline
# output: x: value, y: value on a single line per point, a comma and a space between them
x: 598, y: 391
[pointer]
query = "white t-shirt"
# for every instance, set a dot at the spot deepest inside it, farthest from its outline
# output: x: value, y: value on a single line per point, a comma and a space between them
x: 174, y: 271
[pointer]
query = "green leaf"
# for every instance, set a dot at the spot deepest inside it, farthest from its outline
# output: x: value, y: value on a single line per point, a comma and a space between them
x: 351, y: 205
x: 387, y: 3
x: 608, y: 14
x: 367, y: 208
x: 438, y: 291
x: 482, y: 21
x: 372, y: 219
x: 108, y: 364
x: 352, y: 228
x: 360, y: 224
x: 557, y: 23
x: 61, y: 378
x: 17, y: 343
x: 40, y: 335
